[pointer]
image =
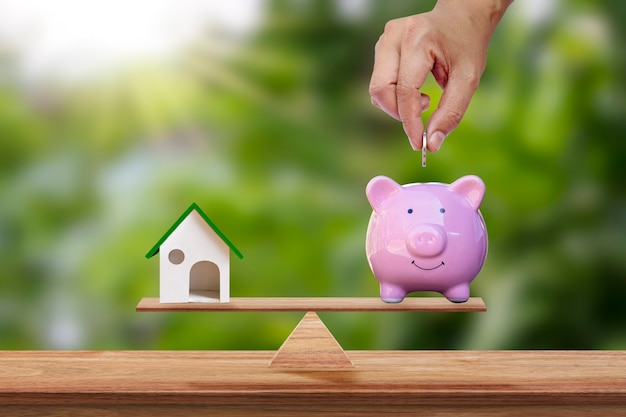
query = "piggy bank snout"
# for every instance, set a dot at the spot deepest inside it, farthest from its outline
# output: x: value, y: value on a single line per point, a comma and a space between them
x: 426, y: 240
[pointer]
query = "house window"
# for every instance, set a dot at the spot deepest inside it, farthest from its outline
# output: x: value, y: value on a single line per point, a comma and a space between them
x: 176, y: 256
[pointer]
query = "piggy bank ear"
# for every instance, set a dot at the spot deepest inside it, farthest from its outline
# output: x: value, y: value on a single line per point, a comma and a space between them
x: 471, y: 187
x: 380, y: 189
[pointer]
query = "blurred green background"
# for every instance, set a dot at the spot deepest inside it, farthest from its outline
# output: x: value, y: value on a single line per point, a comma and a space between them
x: 262, y: 116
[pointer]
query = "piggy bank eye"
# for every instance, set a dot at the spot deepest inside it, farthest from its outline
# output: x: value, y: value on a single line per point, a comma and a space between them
x: 410, y: 211
x: 442, y: 210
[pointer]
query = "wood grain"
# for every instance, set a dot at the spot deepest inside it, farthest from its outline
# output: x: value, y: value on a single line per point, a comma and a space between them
x: 311, y: 346
x: 476, y: 383
x: 361, y: 304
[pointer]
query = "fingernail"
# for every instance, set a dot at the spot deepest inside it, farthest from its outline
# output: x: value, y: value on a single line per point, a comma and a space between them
x: 415, y: 148
x: 436, y: 139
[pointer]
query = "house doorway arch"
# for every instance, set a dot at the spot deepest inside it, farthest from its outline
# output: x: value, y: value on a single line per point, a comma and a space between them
x: 204, y: 282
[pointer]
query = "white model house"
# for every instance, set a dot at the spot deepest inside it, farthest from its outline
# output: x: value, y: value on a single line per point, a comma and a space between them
x: 194, y: 260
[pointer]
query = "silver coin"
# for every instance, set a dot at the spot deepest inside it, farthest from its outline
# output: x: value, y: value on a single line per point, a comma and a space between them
x: 424, y: 149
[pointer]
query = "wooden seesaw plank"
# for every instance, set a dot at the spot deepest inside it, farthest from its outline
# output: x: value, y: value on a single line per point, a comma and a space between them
x: 354, y: 304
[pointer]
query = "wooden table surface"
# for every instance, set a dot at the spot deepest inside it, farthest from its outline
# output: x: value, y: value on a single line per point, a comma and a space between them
x: 440, y: 383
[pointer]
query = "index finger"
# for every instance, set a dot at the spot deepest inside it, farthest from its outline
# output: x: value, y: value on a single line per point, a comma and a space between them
x: 412, y: 73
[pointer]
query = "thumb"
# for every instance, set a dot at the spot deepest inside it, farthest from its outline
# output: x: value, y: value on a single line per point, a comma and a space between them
x: 452, y: 106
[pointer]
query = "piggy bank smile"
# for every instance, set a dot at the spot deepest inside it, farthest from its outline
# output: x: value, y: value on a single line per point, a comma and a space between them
x: 427, y: 269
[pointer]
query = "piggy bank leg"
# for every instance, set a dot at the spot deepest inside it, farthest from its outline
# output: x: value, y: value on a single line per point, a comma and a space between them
x: 458, y: 294
x: 392, y: 293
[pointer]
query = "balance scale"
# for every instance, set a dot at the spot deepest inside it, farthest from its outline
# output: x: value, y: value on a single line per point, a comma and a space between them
x: 311, y: 344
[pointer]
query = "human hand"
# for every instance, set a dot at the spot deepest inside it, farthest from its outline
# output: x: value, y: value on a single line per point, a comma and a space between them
x: 451, y: 42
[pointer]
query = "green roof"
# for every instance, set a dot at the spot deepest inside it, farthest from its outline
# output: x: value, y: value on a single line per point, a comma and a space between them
x: 193, y: 206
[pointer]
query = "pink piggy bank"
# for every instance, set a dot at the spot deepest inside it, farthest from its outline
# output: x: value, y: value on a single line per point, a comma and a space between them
x: 426, y: 237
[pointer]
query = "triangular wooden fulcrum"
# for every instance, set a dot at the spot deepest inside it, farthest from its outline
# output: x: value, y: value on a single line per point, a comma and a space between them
x: 311, y: 345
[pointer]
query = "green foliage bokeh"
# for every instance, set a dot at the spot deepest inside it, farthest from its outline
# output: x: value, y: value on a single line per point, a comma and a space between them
x: 276, y: 140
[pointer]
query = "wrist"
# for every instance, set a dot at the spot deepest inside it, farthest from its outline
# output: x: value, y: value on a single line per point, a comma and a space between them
x: 487, y: 12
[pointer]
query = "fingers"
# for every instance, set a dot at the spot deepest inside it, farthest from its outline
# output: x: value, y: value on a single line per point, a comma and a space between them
x: 452, y: 107
x: 412, y: 73
x: 401, y: 66
x: 385, y: 73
